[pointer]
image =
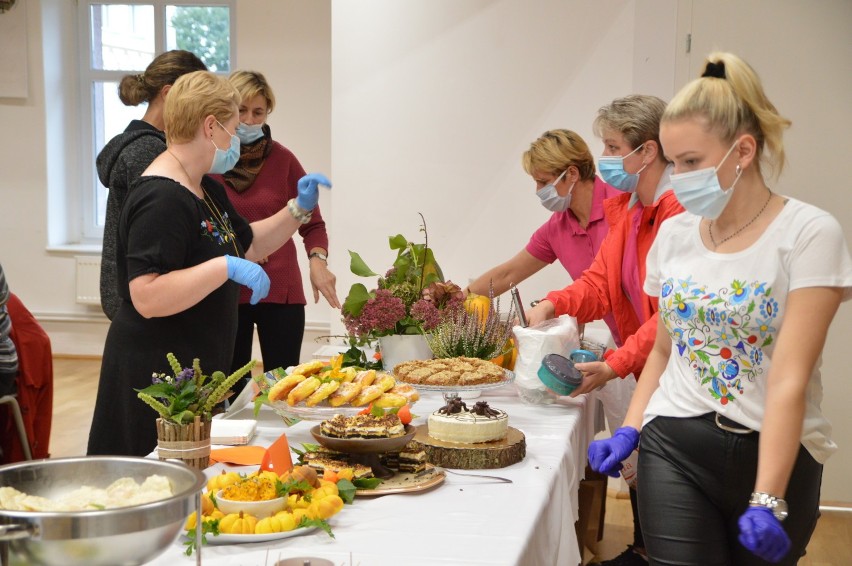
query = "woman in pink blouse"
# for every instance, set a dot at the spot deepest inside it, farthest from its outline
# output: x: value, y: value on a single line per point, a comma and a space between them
x: 563, y: 169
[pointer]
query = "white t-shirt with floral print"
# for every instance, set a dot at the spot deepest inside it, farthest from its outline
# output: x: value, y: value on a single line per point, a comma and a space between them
x: 724, y: 311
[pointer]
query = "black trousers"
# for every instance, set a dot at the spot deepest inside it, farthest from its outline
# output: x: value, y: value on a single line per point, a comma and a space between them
x: 280, y: 329
x: 695, y: 480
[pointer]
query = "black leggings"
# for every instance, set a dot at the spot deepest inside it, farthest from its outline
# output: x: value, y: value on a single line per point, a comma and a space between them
x: 280, y: 329
x: 695, y: 481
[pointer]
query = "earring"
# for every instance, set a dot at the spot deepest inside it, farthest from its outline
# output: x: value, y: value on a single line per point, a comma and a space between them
x: 738, y: 170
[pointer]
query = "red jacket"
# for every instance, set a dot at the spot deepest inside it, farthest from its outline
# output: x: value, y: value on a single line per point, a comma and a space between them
x: 598, y: 291
x: 35, y: 385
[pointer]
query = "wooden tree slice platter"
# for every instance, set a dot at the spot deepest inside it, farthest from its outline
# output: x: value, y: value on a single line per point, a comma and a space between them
x: 480, y: 456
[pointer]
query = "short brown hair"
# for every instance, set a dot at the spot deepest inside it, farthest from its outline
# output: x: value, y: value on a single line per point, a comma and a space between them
x: 252, y: 83
x: 193, y: 97
x: 636, y: 116
x: 555, y: 150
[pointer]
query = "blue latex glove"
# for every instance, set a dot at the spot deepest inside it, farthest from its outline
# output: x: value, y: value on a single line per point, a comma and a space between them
x: 763, y: 535
x: 605, y: 456
x: 251, y: 275
x: 308, y: 188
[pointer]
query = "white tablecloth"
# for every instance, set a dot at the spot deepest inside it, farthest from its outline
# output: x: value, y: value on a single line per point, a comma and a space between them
x: 463, y: 521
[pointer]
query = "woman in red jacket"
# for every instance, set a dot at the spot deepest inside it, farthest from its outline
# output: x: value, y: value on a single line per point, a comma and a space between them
x: 633, y: 162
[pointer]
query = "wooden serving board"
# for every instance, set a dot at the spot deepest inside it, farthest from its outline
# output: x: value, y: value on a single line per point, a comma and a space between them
x: 480, y: 456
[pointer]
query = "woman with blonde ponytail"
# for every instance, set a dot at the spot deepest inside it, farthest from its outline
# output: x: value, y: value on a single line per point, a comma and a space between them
x: 733, y: 440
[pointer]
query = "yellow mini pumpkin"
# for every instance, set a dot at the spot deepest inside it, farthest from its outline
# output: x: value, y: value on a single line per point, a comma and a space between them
x: 268, y: 525
x: 221, y: 481
x: 287, y: 521
x: 238, y: 524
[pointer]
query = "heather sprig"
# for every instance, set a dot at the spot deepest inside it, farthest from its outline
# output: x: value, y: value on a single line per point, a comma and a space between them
x: 464, y: 333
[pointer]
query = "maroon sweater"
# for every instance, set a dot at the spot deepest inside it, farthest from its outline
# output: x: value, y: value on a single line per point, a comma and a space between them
x: 272, y: 188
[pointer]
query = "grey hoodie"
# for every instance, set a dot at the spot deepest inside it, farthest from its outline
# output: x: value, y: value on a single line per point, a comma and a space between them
x: 119, y: 164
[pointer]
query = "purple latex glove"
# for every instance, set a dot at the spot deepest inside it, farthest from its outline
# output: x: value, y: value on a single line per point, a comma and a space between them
x: 251, y: 275
x: 763, y: 535
x: 308, y: 188
x: 605, y: 456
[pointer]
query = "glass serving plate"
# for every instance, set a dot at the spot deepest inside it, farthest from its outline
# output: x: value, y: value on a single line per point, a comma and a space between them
x: 450, y: 391
x: 316, y: 413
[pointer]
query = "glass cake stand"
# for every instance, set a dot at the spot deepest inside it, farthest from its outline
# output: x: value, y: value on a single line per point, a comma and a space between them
x: 453, y: 391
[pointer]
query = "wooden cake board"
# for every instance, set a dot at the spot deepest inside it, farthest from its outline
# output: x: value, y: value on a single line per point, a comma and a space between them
x: 480, y: 456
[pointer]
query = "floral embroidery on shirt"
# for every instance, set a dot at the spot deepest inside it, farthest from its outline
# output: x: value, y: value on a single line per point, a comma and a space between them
x: 722, y: 334
x: 215, y: 231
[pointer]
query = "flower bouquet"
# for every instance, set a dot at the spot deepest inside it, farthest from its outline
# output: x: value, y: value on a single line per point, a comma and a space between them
x: 411, y: 299
x: 185, y: 403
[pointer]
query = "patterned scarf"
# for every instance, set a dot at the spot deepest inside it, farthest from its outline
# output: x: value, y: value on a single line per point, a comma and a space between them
x: 251, y: 160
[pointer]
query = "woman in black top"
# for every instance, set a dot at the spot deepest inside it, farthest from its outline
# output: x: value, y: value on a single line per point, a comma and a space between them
x: 182, y: 249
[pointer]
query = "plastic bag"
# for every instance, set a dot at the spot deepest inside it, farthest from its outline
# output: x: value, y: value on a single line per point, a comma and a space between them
x: 554, y: 336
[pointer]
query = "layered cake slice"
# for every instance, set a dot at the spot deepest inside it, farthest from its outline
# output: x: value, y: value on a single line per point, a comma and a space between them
x: 362, y: 426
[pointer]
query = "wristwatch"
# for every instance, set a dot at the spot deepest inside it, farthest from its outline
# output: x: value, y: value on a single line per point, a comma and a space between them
x: 775, y: 504
x: 320, y: 255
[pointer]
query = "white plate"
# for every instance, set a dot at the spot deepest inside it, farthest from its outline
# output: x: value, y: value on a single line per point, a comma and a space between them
x: 238, y: 539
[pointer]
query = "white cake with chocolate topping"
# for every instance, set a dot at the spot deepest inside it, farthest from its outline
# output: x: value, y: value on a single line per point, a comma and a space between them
x: 455, y: 423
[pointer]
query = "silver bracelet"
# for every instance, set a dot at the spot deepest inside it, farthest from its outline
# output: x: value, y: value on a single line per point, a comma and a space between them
x: 299, y: 213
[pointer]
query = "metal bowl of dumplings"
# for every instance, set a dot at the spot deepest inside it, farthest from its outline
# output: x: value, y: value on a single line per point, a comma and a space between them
x: 113, y: 536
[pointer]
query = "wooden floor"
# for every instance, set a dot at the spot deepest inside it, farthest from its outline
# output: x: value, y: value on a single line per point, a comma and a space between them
x: 75, y: 386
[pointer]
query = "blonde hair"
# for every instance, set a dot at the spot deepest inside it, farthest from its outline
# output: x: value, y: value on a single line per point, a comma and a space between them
x: 636, y: 117
x: 555, y: 150
x: 730, y: 96
x: 194, y: 97
x: 164, y: 70
x: 252, y: 83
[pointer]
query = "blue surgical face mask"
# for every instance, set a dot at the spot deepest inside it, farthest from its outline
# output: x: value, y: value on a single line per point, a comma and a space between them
x: 699, y: 191
x: 612, y: 172
x: 551, y: 200
x: 249, y: 133
x: 224, y: 161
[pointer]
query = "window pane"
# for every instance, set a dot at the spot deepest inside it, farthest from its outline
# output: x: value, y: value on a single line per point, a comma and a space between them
x: 204, y: 30
x: 110, y: 117
x: 122, y: 36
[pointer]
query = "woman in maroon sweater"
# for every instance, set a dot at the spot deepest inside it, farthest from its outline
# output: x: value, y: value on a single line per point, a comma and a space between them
x: 261, y: 183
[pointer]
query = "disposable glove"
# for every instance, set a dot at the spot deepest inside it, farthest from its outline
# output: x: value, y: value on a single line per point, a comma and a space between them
x: 308, y: 188
x: 251, y: 275
x: 763, y: 535
x: 605, y: 456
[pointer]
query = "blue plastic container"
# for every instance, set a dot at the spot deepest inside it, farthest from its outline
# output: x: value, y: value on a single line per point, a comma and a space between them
x: 581, y: 356
x: 559, y: 374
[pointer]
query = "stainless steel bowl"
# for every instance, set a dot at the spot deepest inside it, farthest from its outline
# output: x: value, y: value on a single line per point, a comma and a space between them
x: 123, y: 536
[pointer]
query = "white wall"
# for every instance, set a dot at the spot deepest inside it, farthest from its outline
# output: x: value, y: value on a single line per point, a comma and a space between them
x: 426, y: 106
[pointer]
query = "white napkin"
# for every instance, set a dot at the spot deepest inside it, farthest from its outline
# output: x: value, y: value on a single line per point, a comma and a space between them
x: 232, y: 431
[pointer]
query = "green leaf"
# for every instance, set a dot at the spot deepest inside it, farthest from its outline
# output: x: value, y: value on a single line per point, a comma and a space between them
x: 377, y: 411
x: 209, y: 527
x: 365, y: 483
x: 356, y: 299
x: 346, y: 490
x: 321, y: 523
x: 398, y: 242
x: 358, y: 266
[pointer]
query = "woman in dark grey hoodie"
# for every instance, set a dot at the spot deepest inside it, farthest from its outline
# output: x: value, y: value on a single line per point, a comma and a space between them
x: 128, y: 154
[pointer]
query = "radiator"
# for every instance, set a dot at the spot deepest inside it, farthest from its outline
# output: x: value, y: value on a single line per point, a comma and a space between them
x: 88, y: 279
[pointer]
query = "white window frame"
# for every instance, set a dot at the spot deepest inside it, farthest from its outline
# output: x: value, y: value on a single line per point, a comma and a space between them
x: 90, y: 231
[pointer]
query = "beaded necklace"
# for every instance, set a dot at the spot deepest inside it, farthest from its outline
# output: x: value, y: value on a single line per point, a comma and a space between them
x: 227, y: 232
x: 741, y: 228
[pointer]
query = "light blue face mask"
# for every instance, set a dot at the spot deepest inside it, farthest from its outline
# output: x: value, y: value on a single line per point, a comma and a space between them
x: 700, y: 193
x: 612, y: 172
x: 249, y: 133
x: 224, y: 161
x: 551, y: 200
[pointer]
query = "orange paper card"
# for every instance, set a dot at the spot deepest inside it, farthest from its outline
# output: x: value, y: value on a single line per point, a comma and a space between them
x: 238, y: 455
x: 277, y: 457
